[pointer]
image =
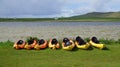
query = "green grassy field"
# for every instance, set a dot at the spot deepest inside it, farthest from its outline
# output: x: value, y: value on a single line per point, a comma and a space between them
x: 10, y: 57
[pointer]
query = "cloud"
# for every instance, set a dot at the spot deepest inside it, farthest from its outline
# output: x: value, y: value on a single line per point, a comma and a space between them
x: 53, y: 8
x: 85, y: 6
x: 101, y: 5
x: 30, y: 7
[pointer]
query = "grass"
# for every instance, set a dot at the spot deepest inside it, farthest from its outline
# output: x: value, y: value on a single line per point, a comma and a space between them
x: 25, y: 19
x: 71, y: 19
x: 59, y: 58
x: 90, y: 19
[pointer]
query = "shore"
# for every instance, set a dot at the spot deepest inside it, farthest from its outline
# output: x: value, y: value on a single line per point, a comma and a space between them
x: 15, y: 33
x: 82, y: 19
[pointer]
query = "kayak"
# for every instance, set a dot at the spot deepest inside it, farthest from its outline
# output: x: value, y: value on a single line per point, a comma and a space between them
x: 33, y: 44
x: 70, y: 47
x: 99, y: 45
x: 19, y: 46
x: 42, y: 46
x: 84, y: 46
x: 53, y: 46
x: 30, y: 46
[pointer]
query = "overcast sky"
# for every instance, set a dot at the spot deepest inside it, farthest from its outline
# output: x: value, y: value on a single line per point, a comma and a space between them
x: 55, y: 8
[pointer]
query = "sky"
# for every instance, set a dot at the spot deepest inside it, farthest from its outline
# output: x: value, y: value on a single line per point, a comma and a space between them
x: 55, y: 8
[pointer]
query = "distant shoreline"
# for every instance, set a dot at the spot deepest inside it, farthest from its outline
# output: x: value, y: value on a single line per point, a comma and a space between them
x: 59, y: 20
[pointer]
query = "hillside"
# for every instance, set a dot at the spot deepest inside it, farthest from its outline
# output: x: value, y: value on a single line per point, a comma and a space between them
x: 95, y: 17
x: 99, y: 15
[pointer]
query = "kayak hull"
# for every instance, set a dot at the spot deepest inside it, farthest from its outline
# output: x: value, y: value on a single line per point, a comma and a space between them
x: 84, y: 46
x: 100, y: 46
x: 70, y: 47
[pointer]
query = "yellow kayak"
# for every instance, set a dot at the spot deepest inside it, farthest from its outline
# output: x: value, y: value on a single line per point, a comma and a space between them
x: 70, y: 47
x: 53, y: 46
x: 99, y: 45
x: 84, y: 46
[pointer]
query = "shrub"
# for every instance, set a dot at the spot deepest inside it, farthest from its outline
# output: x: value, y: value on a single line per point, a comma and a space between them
x: 108, y: 41
x: 31, y: 38
x: 118, y: 41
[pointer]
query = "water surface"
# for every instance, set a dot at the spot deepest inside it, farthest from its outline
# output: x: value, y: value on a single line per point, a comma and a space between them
x: 21, y: 30
x: 58, y: 23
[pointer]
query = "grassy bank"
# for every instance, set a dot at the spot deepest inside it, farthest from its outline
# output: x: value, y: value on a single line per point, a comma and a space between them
x: 89, y: 19
x: 60, y: 58
x: 25, y: 19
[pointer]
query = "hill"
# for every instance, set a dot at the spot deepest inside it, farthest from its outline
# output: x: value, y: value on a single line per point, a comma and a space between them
x: 95, y: 17
x: 99, y: 15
